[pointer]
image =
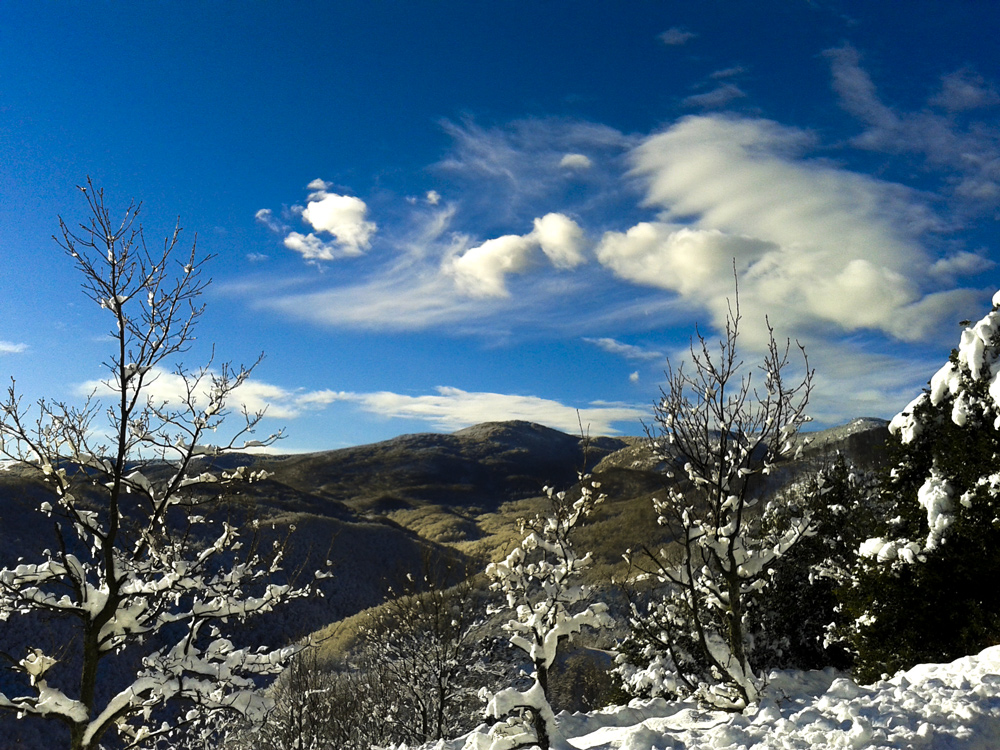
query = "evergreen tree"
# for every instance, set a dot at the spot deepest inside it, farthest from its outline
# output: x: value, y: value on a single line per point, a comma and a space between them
x: 793, y: 623
x: 924, y: 587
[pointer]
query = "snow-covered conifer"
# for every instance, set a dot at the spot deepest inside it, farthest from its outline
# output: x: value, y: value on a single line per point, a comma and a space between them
x: 923, y: 586
x: 146, y: 585
x: 792, y: 624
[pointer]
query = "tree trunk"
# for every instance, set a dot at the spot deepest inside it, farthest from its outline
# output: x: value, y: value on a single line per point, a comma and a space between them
x: 540, y: 725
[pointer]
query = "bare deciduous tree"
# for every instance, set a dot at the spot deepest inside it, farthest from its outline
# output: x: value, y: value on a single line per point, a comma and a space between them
x: 146, y: 585
x: 430, y: 643
x: 716, y: 428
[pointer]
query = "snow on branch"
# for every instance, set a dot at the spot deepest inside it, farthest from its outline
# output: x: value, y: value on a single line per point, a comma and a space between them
x: 539, y: 581
x: 717, y: 427
x: 129, y: 568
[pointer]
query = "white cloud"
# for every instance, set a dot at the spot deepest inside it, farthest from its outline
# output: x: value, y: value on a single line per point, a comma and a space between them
x: 340, y: 224
x: 718, y: 97
x: 732, y: 72
x: 166, y: 387
x: 560, y: 238
x: 433, y: 197
x: 481, y: 271
x: 311, y: 247
x: 964, y: 90
x: 343, y: 216
x: 266, y: 217
x: 634, y: 377
x: 576, y: 161
x: 452, y: 409
x: 410, y: 292
x: 962, y: 263
x: 9, y: 347
x: 693, y: 262
x: 813, y: 244
x: 676, y: 36
x: 818, y: 248
x: 628, y: 351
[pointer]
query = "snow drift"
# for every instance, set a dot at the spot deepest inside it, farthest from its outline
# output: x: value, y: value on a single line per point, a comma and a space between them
x: 954, y: 705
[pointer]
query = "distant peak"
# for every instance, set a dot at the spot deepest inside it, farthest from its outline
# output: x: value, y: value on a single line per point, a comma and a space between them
x: 510, y: 427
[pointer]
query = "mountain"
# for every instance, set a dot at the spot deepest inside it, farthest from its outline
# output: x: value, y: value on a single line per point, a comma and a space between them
x: 383, y: 510
x: 477, y: 467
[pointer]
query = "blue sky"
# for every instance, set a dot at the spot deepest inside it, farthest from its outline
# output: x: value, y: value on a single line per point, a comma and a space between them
x: 431, y: 214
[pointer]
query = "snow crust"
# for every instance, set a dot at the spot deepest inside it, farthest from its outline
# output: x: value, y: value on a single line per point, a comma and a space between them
x: 954, y: 705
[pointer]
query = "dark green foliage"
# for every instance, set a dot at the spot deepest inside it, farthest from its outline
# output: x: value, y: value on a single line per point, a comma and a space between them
x: 792, y: 619
x: 947, y: 604
x: 582, y: 681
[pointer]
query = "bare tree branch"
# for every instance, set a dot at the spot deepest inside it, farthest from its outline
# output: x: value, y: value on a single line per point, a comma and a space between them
x: 132, y: 567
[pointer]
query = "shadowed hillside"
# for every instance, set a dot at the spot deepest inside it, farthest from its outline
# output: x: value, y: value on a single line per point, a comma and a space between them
x: 480, y: 466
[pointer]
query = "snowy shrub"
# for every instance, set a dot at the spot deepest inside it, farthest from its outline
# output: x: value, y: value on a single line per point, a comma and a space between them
x: 413, y: 677
x: 539, y: 581
x: 315, y: 708
x: 924, y: 587
x: 715, y: 430
x: 146, y: 581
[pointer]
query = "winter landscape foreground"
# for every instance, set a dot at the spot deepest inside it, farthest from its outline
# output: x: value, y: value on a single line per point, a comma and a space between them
x: 954, y: 705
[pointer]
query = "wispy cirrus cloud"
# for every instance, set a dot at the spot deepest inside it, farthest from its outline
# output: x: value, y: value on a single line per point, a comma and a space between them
x: 730, y: 72
x: 531, y: 167
x: 455, y: 261
x: 965, y: 150
x: 676, y: 36
x: 628, y: 351
x: 447, y: 408
x: 833, y: 257
x: 717, y: 98
x: 169, y: 388
x: 814, y: 244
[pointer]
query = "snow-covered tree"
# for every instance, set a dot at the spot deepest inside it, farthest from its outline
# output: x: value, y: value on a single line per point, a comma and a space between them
x: 539, y: 582
x: 716, y: 429
x: 140, y: 578
x: 314, y: 708
x: 924, y: 587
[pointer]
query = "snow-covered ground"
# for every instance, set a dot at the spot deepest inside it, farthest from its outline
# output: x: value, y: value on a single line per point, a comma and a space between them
x: 934, y: 706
